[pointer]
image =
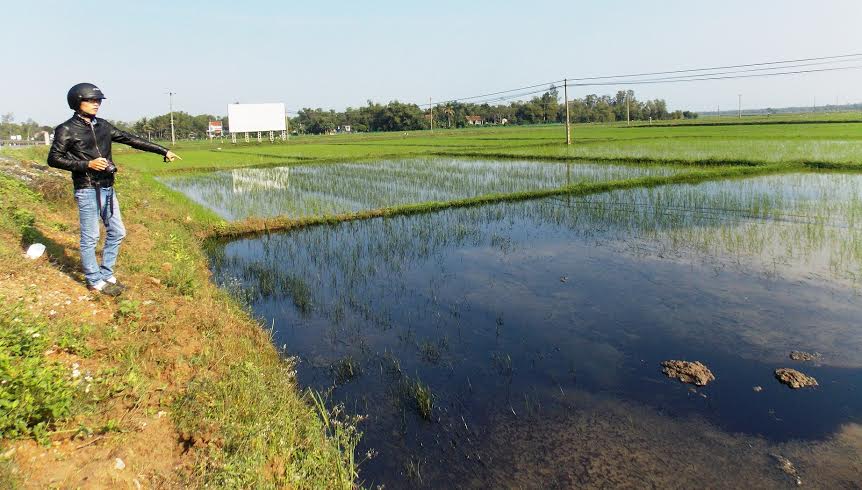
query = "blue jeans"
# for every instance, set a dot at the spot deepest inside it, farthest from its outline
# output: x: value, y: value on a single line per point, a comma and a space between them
x: 88, y: 214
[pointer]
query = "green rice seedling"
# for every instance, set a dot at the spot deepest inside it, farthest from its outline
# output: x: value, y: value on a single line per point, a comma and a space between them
x: 391, y: 366
x: 420, y: 396
x: 502, y: 364
x: 432, y: 352
x: 345, y: 370
x: 413, y: 470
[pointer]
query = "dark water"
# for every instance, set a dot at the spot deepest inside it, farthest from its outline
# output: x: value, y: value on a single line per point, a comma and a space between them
x: 536, y: 320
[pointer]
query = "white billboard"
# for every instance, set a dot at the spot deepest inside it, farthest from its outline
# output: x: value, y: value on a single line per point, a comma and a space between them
x: 250, y: 118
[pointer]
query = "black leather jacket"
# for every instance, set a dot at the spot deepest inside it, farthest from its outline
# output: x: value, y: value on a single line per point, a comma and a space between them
x: 75, y: 145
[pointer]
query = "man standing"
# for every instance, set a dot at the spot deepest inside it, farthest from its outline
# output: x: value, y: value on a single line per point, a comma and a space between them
x: 82, y: 145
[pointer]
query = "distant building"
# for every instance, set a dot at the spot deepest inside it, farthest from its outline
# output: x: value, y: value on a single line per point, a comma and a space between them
x: 504, y: 121
x: 474, y: 120
x: 46, y: 137
x: 214, y: 129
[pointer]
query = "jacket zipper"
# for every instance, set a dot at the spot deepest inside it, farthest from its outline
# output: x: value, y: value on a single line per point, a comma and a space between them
x: 98, y: 150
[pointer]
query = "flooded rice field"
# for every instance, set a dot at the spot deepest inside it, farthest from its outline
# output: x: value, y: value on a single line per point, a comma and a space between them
x: 315, y: 189
x: 520, y: 344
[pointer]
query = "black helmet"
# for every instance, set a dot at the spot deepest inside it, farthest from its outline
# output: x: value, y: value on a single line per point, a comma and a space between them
x: 81, y: 92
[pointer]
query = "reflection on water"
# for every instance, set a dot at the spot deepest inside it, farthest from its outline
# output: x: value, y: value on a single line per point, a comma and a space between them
x: 538, y: 328
x: 306, y: 190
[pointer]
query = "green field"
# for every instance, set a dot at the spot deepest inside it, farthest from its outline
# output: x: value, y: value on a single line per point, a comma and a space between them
x: 699, y: 150
x: 833, y: 144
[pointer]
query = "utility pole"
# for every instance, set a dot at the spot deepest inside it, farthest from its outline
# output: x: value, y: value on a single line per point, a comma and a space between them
x: 628, y: 120
x: 566, y: 98
x: 171, y: 105
x: 719, y: 111
x: 815, y: 104
x: 431, y: 105
x: 739, y: 110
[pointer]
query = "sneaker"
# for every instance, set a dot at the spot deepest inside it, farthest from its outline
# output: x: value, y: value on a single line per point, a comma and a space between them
x: 113, y: 280
x: 106, y: 288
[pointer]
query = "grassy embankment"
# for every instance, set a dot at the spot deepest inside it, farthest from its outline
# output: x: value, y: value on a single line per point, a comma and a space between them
x: 177, y: 344
x: 174, y: 379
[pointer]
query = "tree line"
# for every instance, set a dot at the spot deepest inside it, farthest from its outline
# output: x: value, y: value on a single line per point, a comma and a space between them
x: 542, y: 109
x: 27, y: 129
x: 186, y: 126
x: 398, y: 116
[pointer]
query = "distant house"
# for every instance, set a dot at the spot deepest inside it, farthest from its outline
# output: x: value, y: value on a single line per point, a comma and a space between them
x: 504, y: 121
x: 214, y: 129
x: 474, y: 120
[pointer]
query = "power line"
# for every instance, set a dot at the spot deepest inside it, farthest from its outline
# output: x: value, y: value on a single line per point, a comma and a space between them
x: 772, y: 65
x: 756, y: 75
x: 689, y: 70
x: 749, y: 70
x: 487, y: 98
x: 546, y: 84
x: 626, y: 79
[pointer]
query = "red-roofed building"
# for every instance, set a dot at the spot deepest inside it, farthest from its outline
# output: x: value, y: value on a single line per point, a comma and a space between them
x: 214, y: 129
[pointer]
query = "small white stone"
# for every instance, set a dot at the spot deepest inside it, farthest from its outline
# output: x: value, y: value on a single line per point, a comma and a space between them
x: 35, y: 251
x: 119, y: 464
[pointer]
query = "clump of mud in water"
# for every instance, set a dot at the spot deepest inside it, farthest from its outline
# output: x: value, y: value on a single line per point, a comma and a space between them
x: 798, y: 355
x: 794, y: 378
x: 695, y: 373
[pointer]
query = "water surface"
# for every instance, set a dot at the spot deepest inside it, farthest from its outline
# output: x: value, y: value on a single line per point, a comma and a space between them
x: 314, y: 189
x: 539, y: 327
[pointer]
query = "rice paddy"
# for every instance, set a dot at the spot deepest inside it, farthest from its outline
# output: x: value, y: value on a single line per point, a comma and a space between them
x: 518, y: 339
x: 312, y: 190
x: 505, y: 310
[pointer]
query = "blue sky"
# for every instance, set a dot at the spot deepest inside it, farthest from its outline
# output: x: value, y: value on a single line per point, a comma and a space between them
x: 337, y: 54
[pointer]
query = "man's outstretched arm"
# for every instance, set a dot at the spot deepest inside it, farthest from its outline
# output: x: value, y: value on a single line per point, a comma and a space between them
x: 138, y: 143
x: 141, y: 144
